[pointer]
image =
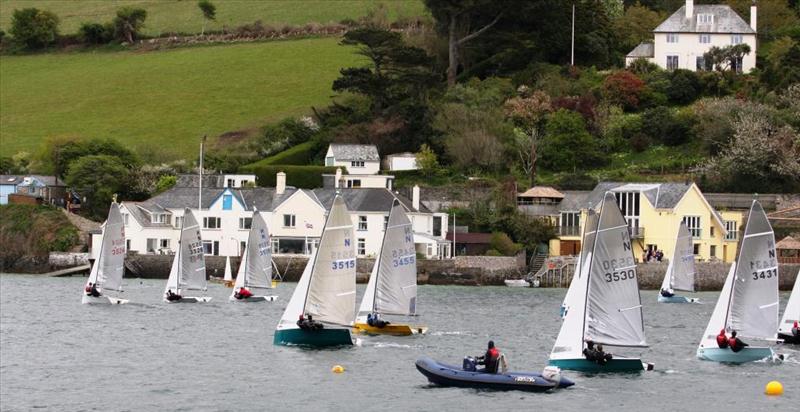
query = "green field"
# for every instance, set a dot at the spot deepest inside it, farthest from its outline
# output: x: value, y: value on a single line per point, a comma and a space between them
x: 183, y: 16
x: 160, y: 103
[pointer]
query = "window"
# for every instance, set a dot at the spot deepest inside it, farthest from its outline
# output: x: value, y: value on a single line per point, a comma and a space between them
x: 275, y: 245
x: 244, y: 183
x: 736, y: 39
x: 705, y: 18
x: 362, y: 223
x: 125, y: 219
x: 733, y: 231
x: 569, y: 224
x: 672, y: 62
x: 354, y: 183
x: 362, y: 246
x: 211, y: 248
x: 672, y: 38
x: 701, y: 63
x: 437, y: 225
x: 696, y: 249
x: 357, y: 163
x: 288, y: 221
x: 242, y: 247
x: 712, y: 251
x: 736, y: 65
x: 178, y: 221
x: 712, y: 230
x: 158, y: 218
x: 329, y: 161
x: 629, y: 203
x: 127, y: 244
x: 152, y: 244
x: 245, y: 223
x: 693, y: 224
x: 164, y: 244
x: 212, y: 223
x: 231, y: 183
x: 386, y: 222
x: 227, y: 202
x: 705, y: 38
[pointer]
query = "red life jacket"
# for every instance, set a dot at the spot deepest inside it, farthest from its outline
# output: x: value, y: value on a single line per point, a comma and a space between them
x: 722, y: 340
x: 494, y: 353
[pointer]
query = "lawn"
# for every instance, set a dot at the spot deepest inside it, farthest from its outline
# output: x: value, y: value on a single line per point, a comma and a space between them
x: 183, y: 16
x: 160, y: 103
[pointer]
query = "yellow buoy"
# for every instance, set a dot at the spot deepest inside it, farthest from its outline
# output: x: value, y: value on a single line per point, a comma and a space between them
x: 337, y: 369
x: 774, y: 388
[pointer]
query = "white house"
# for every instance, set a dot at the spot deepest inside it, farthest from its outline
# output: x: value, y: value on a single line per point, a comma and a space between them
x: 357, y: 159
x: 295, y: 218
x: 682, y: 39
x: 401, y: 161
x: 357, y: 181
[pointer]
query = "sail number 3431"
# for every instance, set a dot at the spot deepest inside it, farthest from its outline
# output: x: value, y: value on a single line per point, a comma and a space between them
x: 765, y: 274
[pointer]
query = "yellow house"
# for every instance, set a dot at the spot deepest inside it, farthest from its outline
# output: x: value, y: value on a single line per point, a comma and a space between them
x: 654, y: 212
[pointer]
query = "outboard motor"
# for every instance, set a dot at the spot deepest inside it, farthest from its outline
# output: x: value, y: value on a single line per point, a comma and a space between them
x: 552, y: 374
x: 469, y: 364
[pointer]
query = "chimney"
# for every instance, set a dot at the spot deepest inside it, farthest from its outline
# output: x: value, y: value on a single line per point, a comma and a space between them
x: 280, y: 183
x: 689, y: 9
x: 338, y: 178
x: 415, y: 197
x: 753, y: 15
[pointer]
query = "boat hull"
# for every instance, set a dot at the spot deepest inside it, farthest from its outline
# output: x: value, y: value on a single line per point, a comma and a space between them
x: 789, y: 338
x: 191, y: 299
x: 103, y: 300
x: 270, y: 298
x: 317, y: 338
x: 613, y: 365
x: 394, y: 329
x: 677, y: 299
x: 517, y: 283
x: 748, y: 354
x: 447, y: 375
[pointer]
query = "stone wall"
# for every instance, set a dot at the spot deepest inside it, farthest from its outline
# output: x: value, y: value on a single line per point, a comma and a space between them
x: 62, y: 260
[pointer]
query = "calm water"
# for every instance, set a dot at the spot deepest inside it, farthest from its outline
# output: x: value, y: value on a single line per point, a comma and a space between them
x: 60, y: 355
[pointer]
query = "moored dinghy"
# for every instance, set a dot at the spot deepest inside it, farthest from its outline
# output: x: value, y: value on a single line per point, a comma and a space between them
x: 392, y: 286
x: 605, y: 307
x: 255, y: 269
x: 680, y: 272
x: 107, y: 271
x: 188, y: 270
x: 748, y: 302
x: 788, y: 331
x: 326, y: 290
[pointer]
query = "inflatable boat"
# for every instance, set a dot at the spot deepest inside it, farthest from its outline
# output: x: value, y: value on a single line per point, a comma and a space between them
x: 448, y: 375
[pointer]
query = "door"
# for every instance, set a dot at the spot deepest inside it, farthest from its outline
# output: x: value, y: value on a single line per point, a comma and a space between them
x: 570, y: 247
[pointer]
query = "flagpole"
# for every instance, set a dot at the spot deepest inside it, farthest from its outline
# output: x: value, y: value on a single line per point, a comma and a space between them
x: 572, y: 55
x: 200, y: 182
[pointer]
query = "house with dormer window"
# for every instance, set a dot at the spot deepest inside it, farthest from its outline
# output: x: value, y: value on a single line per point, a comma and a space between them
x: 682, y: 40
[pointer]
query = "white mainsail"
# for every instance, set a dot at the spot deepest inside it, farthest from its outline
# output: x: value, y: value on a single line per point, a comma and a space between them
x: 569, y: 343
x: 394, y: 289
x: 255, y: 269
x: 717, y: 321
x: 613, y: 305
x: 295, y: 307
x: 107, y: 272
x: 228, y: 275
x: 792, y: 312
x: 189, y: 266
x: 753, y: 307
x: 680, y: 272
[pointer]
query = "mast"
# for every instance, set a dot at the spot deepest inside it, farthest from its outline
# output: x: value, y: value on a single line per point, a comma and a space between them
x: 735, y: 269
x: 180, y: 249
x: 314, y: 265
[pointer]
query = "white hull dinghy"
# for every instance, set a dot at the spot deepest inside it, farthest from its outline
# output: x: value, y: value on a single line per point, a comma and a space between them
x: 188, y: 270
x: 255, y: 269
x: 680, y: 272
x: 107, y: 271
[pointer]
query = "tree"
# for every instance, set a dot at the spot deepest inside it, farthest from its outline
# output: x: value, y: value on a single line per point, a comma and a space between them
x: 726, y: 58
x: 456, y: 18
x: 209, y: 11
x: 34, y: 28
x: 98, y: 178
x: 566, y: 144
x: 61, y: 153
x: 623, y: 88
x: 128, y: 23
x: 426, y: 160
x: 528, y: 111
x: 636, y: 26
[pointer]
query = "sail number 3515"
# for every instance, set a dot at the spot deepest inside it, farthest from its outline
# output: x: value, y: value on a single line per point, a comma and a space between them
x: 765, y: 274
x: 343, y: 264
x: 621, y: 275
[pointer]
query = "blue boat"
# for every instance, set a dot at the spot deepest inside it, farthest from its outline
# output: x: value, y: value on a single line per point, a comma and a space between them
x: 613, y: 365
x: 448, y: 375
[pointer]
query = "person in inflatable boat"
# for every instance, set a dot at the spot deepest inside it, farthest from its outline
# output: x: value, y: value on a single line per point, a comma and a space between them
x: 490, y: 359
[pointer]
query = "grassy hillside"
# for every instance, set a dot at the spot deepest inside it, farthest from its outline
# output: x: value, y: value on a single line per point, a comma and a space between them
x: 159, y: 103
x: 185, y: 17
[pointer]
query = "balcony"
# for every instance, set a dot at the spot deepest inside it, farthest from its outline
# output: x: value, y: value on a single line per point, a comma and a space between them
x: 636, y: 232
x: 569, y: 230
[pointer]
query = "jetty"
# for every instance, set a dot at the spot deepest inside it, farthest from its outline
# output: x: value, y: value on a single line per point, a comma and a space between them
x: 69, y: 271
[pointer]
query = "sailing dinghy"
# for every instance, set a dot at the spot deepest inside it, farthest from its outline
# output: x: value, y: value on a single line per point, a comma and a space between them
x: 392, y: 286
x: 680, y: 272
x: 255, y: 269
x: 748, y: 303
x: 188, y: 270
x: 791, y: 315
x: 227, y: 278
x: 604, y: 306
x: 327, y: 288
x: 107, y: 271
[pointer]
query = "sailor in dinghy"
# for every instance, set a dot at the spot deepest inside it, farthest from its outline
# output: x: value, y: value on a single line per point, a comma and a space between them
x: 680, y: 271
x: 748, y: 302
x: 255, y: 269
x: 188, y: 270
x: 789, y: 330
x: 108, y: 269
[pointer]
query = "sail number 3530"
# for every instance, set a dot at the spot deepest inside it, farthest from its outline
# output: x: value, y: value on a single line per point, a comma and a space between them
x: 765, y: 274
x: 621, y: 275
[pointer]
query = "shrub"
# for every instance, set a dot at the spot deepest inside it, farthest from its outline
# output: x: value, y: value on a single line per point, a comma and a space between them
x: 493, y: 252
x: 288, y: 132
x: 301, y: 154
x: 34, y: 28
x: 95, y: 33
x: 165, y: 182
x: 500, y: 242
x: 98, y: 178
x: 684, y: 87
x: 666, y: 127
x: 566, y: 144
x: 623, y: 88
x: 305, y: 177
x: 128, y: 23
